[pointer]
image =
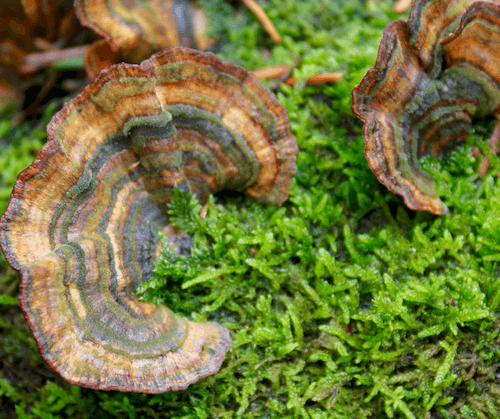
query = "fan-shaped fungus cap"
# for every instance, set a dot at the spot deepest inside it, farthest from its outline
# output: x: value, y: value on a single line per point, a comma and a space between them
x: 81, y: 224
x: 135, y: 29
x: 424, y: 90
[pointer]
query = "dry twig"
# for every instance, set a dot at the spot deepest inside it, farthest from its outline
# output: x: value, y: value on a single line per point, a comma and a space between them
x: 318, y: 78
x: 266, y: 22
x: 274, y: 72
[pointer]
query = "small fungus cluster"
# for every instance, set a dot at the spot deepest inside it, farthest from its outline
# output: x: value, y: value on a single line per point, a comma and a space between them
x: 38, y: 34
x: 433, y: 75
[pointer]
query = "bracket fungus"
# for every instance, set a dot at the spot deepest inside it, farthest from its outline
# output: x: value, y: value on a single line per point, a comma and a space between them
x: 82, y: 221
x: 135, y: 29
x: 432, y: 76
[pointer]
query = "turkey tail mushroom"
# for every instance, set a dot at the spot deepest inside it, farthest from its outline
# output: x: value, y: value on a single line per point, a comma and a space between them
x: 424, y: 90
x: 135, y: 29
x: 82, y: 221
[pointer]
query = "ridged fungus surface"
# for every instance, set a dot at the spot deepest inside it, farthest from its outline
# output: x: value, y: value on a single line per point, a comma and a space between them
x: 135, y: 29
x: 82, y: 222
x: 433, y: 74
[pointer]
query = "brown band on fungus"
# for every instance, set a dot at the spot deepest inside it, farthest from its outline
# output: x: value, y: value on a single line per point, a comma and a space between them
x: 475, y: 48
x: 431, y: 20
x: 82, y: 221
x: 424, y: 90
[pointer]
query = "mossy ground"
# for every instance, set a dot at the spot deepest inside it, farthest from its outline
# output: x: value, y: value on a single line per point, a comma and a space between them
x: 342, y: 303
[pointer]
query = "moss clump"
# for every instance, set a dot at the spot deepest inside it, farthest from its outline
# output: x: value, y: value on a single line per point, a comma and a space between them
x: 391, y: 314
x: 342, y: 303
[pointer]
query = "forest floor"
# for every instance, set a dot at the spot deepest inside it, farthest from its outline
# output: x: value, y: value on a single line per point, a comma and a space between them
x: 342, y: 303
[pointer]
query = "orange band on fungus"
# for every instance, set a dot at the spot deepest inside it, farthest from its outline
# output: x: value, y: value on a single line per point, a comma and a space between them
x: 82, y: 221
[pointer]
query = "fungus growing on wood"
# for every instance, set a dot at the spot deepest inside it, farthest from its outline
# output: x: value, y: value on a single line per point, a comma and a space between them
x: 433, y: 74
x: 135, y: 29
x: 82, y: 221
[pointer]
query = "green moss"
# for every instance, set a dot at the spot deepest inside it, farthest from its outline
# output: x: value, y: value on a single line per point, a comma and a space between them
x: 342, y: 303
x: 329, y: 320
